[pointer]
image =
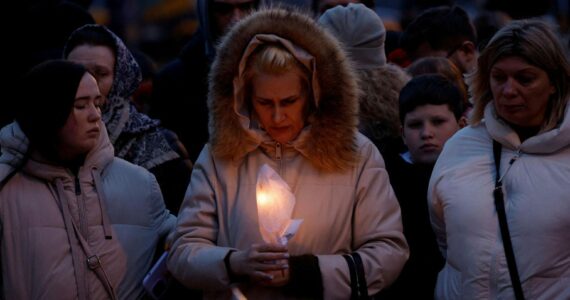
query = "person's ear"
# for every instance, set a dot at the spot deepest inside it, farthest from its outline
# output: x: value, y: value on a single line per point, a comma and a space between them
x: 403, y: 135
x: 462, y: 122
x: 552, y: 88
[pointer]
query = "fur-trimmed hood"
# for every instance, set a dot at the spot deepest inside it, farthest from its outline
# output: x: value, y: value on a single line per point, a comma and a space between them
x: 330, y: 140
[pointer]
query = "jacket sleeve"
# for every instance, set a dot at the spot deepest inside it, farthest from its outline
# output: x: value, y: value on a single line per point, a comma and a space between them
x: 162, y: 220
x: 435, y: 206
x: 194, y: 258
x: 377, y: 233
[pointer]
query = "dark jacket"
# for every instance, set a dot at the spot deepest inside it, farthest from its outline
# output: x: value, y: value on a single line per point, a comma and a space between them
x: 179, y: 96
x: 180, y: 89
x: 410, y: 183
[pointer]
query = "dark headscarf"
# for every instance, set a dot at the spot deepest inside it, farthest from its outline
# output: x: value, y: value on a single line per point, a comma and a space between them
x: 48, y: 91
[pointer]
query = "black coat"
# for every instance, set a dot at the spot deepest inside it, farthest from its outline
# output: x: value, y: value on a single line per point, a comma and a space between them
x: 180, y: 93
x: 410, y: 183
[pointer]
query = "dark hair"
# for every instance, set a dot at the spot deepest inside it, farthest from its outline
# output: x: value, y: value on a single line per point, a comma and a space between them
x: 48, y: 94
x: 50, y: 27
x: 442, y: 27
x: 442, y: 66
x: 432, y: 89
x: 90, y: 35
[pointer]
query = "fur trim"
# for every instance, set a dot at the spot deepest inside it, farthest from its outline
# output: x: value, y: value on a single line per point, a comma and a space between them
x: 379, y: 117
x: 331, y: 144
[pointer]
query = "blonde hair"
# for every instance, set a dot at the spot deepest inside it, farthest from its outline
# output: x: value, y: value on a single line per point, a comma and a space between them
x: 273, y: 59
x: 276, y: 60
x: 535, y: 42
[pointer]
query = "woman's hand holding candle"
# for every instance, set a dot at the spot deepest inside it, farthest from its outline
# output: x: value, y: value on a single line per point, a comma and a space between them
x: 263, y: 263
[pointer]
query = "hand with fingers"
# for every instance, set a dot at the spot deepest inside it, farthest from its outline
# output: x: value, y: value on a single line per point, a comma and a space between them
x: 266, y: 264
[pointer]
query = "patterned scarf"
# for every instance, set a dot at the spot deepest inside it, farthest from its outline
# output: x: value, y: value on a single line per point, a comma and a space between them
x: 136, y: 137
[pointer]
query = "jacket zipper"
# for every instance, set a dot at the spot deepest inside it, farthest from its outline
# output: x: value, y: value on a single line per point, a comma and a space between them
x: 511, y: 162
x: 517, y: 155
x: 80, y: 207
x: 278, y: 157
x: 77, y: 186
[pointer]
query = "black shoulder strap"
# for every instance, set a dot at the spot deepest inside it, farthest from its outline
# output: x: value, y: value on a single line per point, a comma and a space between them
x: 363, y: 286
x: 501, y: 213
x: 358, y: 285
x: 353, y: 279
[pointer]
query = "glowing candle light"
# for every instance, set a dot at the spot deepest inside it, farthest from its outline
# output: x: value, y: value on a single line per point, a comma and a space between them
x: 275, y: 204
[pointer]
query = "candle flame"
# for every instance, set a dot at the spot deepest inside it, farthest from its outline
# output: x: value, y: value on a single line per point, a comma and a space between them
x: 275, y: 204
x: 263, y: 198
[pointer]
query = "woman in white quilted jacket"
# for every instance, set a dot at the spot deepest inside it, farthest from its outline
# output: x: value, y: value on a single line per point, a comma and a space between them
x: 521, y: 121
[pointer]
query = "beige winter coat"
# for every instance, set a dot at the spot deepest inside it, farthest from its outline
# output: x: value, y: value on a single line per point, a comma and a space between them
x: 337, y: 175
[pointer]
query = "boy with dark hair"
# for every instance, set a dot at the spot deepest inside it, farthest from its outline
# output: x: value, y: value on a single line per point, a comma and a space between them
x: 431, y: 111
x: 442, y: 31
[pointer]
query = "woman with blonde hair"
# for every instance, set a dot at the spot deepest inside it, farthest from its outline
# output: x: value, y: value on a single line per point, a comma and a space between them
x: 499, y: 192
x: 283, y: 95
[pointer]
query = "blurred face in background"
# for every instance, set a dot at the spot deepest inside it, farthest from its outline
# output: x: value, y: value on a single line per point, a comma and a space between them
x: 521, y: 91
x: 225, y: 13
x: 426, y: 129
x: 100, y: 61
x: 464, y: 56
x: 81, y: 130
x: 280, y: 103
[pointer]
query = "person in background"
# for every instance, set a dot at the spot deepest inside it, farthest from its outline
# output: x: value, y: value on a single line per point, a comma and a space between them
x: 443, y: 66
x: 520, y: 121
x: 282, y: 94
x: 441, y: 31
x: 77, y: 223
x: 37, y: 33
x: 142, y: 95
x: 180, y: 88
x: 487, y: 23
x: 320, y: 6
x: 135, y: 137
x: 431, y: 111
x: 361, y: 32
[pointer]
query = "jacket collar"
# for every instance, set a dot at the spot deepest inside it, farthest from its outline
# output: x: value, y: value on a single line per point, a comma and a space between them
x: 545, y: 142
x: 14, y: 145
